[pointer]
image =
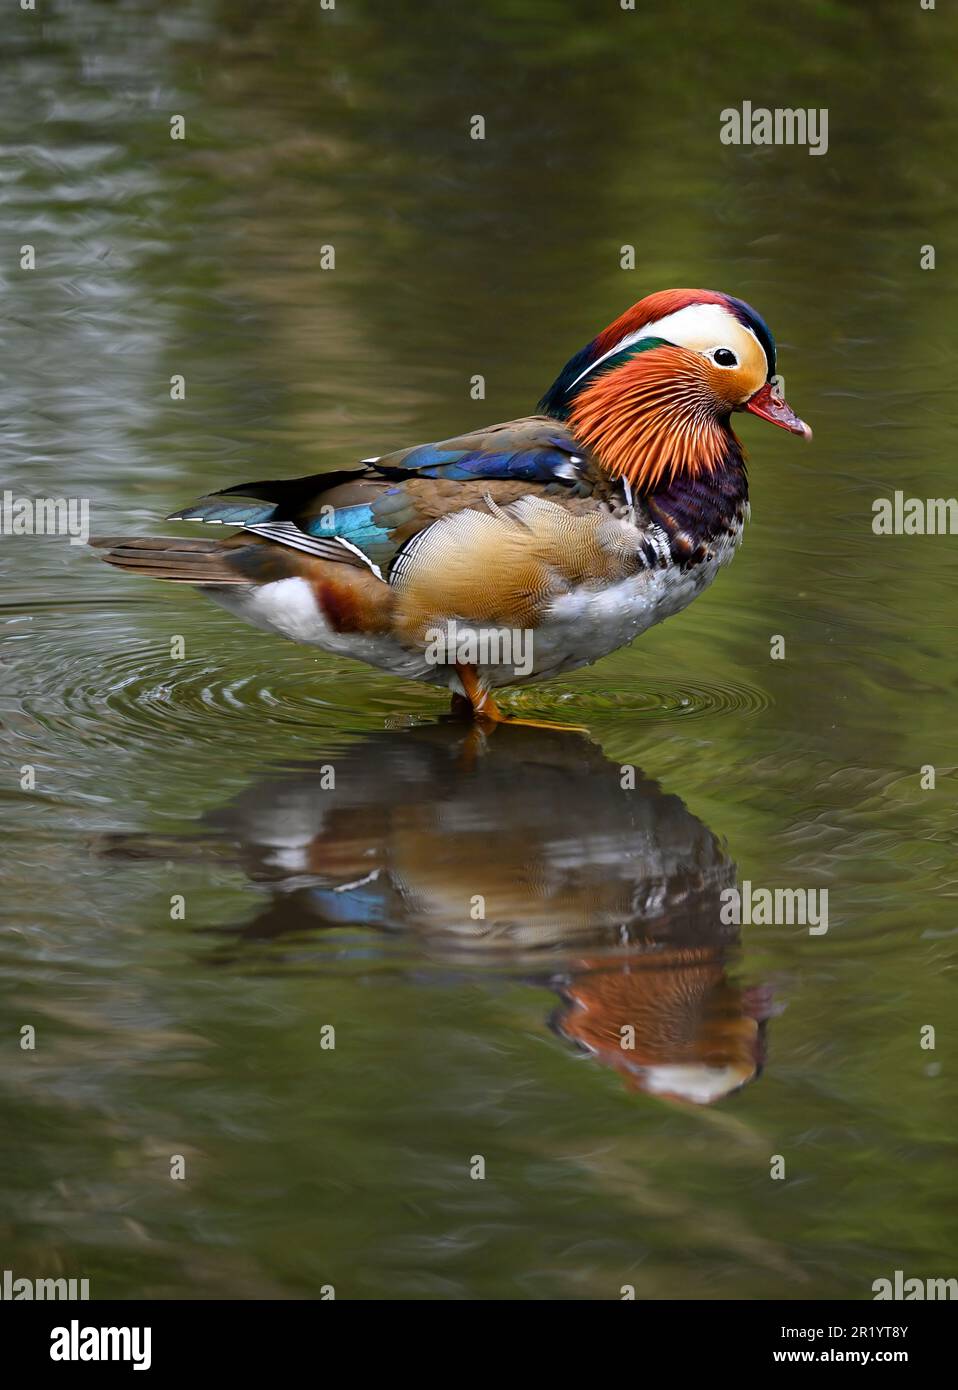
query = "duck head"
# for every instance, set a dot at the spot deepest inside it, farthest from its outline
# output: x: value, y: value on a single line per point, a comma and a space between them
x: 652, y: 396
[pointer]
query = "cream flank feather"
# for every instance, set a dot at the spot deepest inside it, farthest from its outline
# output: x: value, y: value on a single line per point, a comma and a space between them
x: 527, y: 554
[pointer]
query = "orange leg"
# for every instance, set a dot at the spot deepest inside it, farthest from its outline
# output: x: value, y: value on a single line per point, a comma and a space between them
x: 483, y: 705
x: 486, y: 711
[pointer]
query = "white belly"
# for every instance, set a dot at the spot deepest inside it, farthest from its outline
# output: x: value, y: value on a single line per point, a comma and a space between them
x: 584, y: 625
x: 288, y: 608
x: 580, y: 627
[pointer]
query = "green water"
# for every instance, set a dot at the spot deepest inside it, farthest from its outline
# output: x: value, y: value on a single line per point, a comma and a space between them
x: 309, y: 906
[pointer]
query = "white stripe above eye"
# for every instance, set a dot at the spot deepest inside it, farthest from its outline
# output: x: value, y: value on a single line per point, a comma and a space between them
x: 625, y: 342
x: 697, y: 326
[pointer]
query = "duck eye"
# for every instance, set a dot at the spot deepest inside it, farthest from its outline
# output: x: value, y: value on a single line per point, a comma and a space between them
x: 724, y: 357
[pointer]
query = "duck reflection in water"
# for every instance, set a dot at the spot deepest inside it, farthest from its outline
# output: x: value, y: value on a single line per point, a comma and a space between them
x: 522, y: 850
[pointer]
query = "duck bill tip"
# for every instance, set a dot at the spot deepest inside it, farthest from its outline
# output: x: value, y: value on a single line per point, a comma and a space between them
x: 768, y: 405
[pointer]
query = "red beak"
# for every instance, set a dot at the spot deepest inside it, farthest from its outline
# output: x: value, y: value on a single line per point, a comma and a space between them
x: 768, y: 405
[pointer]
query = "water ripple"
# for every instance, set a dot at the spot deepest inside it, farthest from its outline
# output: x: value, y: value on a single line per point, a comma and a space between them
x: 657, y: 700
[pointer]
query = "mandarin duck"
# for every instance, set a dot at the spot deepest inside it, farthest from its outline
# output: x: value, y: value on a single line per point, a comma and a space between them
x: 607, y: 896
x: 517, y: 552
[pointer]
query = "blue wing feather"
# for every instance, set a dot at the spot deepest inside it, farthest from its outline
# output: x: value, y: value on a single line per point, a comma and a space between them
x: 537, y: 450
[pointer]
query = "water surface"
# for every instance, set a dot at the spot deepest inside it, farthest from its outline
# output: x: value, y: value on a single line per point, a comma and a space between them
x: 306, y: 905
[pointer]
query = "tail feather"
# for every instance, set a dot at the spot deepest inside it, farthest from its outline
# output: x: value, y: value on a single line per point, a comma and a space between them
x: 168, y: 557
x: 213, y: 509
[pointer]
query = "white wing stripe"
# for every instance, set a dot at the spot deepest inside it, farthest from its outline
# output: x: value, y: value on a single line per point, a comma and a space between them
x: 288, y: 533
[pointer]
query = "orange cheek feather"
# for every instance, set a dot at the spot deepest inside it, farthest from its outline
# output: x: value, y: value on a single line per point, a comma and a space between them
x: 653, y: 418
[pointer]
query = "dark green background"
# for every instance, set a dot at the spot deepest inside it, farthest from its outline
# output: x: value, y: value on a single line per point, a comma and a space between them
x: 454, y: 257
